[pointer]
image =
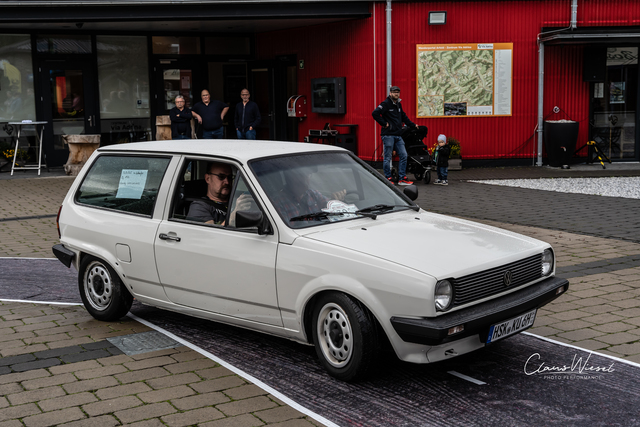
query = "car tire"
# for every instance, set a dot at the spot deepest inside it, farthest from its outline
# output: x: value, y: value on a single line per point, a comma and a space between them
x: 346, y: 337
x: 103, y: 293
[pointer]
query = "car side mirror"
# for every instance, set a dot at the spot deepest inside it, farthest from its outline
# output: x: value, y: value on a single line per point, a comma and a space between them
x: 411, y: 191
x: 246, y: 219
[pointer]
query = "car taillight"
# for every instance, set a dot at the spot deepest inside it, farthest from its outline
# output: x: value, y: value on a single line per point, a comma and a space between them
x: 58, y: 222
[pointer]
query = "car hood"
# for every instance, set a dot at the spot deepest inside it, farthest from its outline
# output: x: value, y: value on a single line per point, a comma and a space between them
x: 437, y: 245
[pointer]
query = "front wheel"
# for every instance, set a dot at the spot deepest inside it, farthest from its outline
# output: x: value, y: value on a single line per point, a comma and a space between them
x: 427, y: 177
x: 345, y: 336
x: 102, y: 292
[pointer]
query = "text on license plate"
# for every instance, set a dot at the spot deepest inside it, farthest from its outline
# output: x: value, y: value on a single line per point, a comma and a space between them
x: 511, y: 326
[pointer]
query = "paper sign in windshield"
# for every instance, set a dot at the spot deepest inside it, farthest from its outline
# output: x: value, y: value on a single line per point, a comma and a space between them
x: 336, y: 206
x: 132, y: 182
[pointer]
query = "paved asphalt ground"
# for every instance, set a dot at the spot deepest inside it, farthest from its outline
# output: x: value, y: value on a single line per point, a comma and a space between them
x: 58, y: 365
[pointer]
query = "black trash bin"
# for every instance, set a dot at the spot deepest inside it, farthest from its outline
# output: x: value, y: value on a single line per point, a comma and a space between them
x: 560, y: 138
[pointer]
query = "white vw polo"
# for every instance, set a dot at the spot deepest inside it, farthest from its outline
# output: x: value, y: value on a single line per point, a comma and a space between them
x: 303, y: 241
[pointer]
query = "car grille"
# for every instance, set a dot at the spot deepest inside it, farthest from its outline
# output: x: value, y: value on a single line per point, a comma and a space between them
x: 490, y: 282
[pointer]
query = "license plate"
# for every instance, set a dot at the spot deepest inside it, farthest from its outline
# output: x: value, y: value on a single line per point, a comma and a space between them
x: 511, y: 326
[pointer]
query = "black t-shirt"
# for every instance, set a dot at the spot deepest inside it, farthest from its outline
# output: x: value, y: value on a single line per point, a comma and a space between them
x: 210, y: 114
x: 205, y: 209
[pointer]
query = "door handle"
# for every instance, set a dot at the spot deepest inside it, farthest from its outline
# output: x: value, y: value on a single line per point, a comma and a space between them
x: 164, y: 236
x: 91, y: 120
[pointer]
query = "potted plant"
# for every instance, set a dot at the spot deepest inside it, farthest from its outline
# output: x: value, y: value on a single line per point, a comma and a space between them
x: 455, y: 159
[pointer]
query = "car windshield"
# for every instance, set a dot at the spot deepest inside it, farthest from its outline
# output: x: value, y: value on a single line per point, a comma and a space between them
x: 319, y: 188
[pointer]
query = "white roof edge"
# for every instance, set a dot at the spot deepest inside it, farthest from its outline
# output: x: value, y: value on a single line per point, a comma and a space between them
x: 242, y: 150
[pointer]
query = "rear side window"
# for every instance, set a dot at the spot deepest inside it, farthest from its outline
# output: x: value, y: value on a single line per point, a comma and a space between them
x: 123, y: 183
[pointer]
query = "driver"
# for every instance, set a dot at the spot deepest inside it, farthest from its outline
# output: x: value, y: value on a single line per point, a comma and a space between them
x: 212, y: 208
x: 296, y: 198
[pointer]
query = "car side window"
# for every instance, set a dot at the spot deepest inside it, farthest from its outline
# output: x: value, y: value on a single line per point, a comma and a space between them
x: 243, y: 201
x: 123, y: 183
x: 203, y: 194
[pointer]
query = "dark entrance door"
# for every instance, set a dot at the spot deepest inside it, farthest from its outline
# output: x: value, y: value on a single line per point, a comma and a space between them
x: 262, y: 88
x: 272, y: 83
x: 69, y: 105
x: 174, y: 78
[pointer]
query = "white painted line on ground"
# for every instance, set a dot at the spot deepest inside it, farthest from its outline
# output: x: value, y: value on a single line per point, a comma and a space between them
x: 465, y: 377
x: 40, y: 302
x: 617, y: 359
x: 238, y: 372
x: 20, y: 257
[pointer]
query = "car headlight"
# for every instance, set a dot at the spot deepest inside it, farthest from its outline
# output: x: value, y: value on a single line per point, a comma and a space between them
x: 547, y: 262
x: 443, y: 295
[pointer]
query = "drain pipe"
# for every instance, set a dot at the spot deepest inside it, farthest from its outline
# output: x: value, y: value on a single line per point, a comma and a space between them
x: 540, y: 99
x: 572, y: 26
x: 389, y: 80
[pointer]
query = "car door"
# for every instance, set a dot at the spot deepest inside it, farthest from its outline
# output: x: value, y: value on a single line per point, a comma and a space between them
x: 217, y: 268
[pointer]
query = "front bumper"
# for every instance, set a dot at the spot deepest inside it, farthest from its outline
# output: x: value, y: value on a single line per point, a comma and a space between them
x: 478, y: 318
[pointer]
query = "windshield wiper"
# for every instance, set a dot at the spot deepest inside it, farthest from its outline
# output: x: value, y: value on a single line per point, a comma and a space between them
x: 320, y: 215
x: 382, y: 208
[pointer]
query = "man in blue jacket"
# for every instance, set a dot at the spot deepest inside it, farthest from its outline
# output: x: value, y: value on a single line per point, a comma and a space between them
x: 391, y: 117
x: 247, y: 116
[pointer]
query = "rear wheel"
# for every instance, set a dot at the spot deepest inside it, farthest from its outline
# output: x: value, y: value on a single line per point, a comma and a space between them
x: 102, y: 291
x: 345, y: 336
x: 417, y: 176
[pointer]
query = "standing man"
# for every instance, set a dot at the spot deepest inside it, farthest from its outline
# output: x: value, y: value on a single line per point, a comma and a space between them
x: 247, y: 116
x: 391, y: 116
x: 181, y: 119
x: 210, y: 115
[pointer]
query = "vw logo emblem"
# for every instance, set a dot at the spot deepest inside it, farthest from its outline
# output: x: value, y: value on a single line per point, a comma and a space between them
x: 507, y: 277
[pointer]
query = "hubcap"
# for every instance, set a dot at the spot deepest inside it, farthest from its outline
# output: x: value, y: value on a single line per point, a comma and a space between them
x: 335, y: 335
x: 98, y: 286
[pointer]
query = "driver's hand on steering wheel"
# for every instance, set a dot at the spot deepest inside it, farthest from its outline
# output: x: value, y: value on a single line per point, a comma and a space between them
x: 339, y: 195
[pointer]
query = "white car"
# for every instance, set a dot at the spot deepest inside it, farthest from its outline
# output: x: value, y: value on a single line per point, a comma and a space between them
x: 309, y: 243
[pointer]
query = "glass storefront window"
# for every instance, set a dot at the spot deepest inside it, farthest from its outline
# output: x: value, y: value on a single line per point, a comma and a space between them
x: 63, y: 44
x: 614, y: 104
x: 177, y: 82
x: 227, y: 45
x: 123, y: 77
x: 17, y: 99
x: 123, y: 81
x: 164, y: 45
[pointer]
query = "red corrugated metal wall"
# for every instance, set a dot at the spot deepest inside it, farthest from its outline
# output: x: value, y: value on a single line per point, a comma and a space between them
x: 347, y: 49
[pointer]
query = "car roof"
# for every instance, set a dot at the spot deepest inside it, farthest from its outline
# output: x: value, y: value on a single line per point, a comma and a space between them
x: 238, y: 149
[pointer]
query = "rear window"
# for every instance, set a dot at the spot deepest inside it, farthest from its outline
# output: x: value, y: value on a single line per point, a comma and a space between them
x: 123, y: 183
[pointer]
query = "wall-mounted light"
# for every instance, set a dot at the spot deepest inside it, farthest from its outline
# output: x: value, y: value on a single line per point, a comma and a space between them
x: 438, y: 17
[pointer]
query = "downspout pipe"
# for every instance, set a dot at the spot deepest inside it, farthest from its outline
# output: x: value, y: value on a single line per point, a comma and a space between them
x: 540, y: 127
x: 389, y: 79
x: 540, y: 100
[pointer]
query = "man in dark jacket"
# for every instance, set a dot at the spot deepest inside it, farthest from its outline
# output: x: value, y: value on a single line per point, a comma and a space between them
x: 181, y: 119
x: 247, y: 117
x: 391, y: 116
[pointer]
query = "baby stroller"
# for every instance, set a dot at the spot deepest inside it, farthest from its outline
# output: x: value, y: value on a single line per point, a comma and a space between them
x: 418, y: 157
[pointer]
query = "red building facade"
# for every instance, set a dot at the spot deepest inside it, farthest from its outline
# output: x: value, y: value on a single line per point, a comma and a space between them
x: 357, y: 50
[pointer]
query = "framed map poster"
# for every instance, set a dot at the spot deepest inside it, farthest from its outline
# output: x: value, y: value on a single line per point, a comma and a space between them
x: 463, y: 80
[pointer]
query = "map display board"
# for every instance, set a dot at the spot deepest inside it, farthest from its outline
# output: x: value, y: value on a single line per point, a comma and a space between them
x: 466, y: 79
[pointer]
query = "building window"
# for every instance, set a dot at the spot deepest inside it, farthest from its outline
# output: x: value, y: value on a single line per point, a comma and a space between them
x: 17, y: 101
x: 176, y: 45
x: 227, y: 45
x: 123, y: 81
x: 64, y: 44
